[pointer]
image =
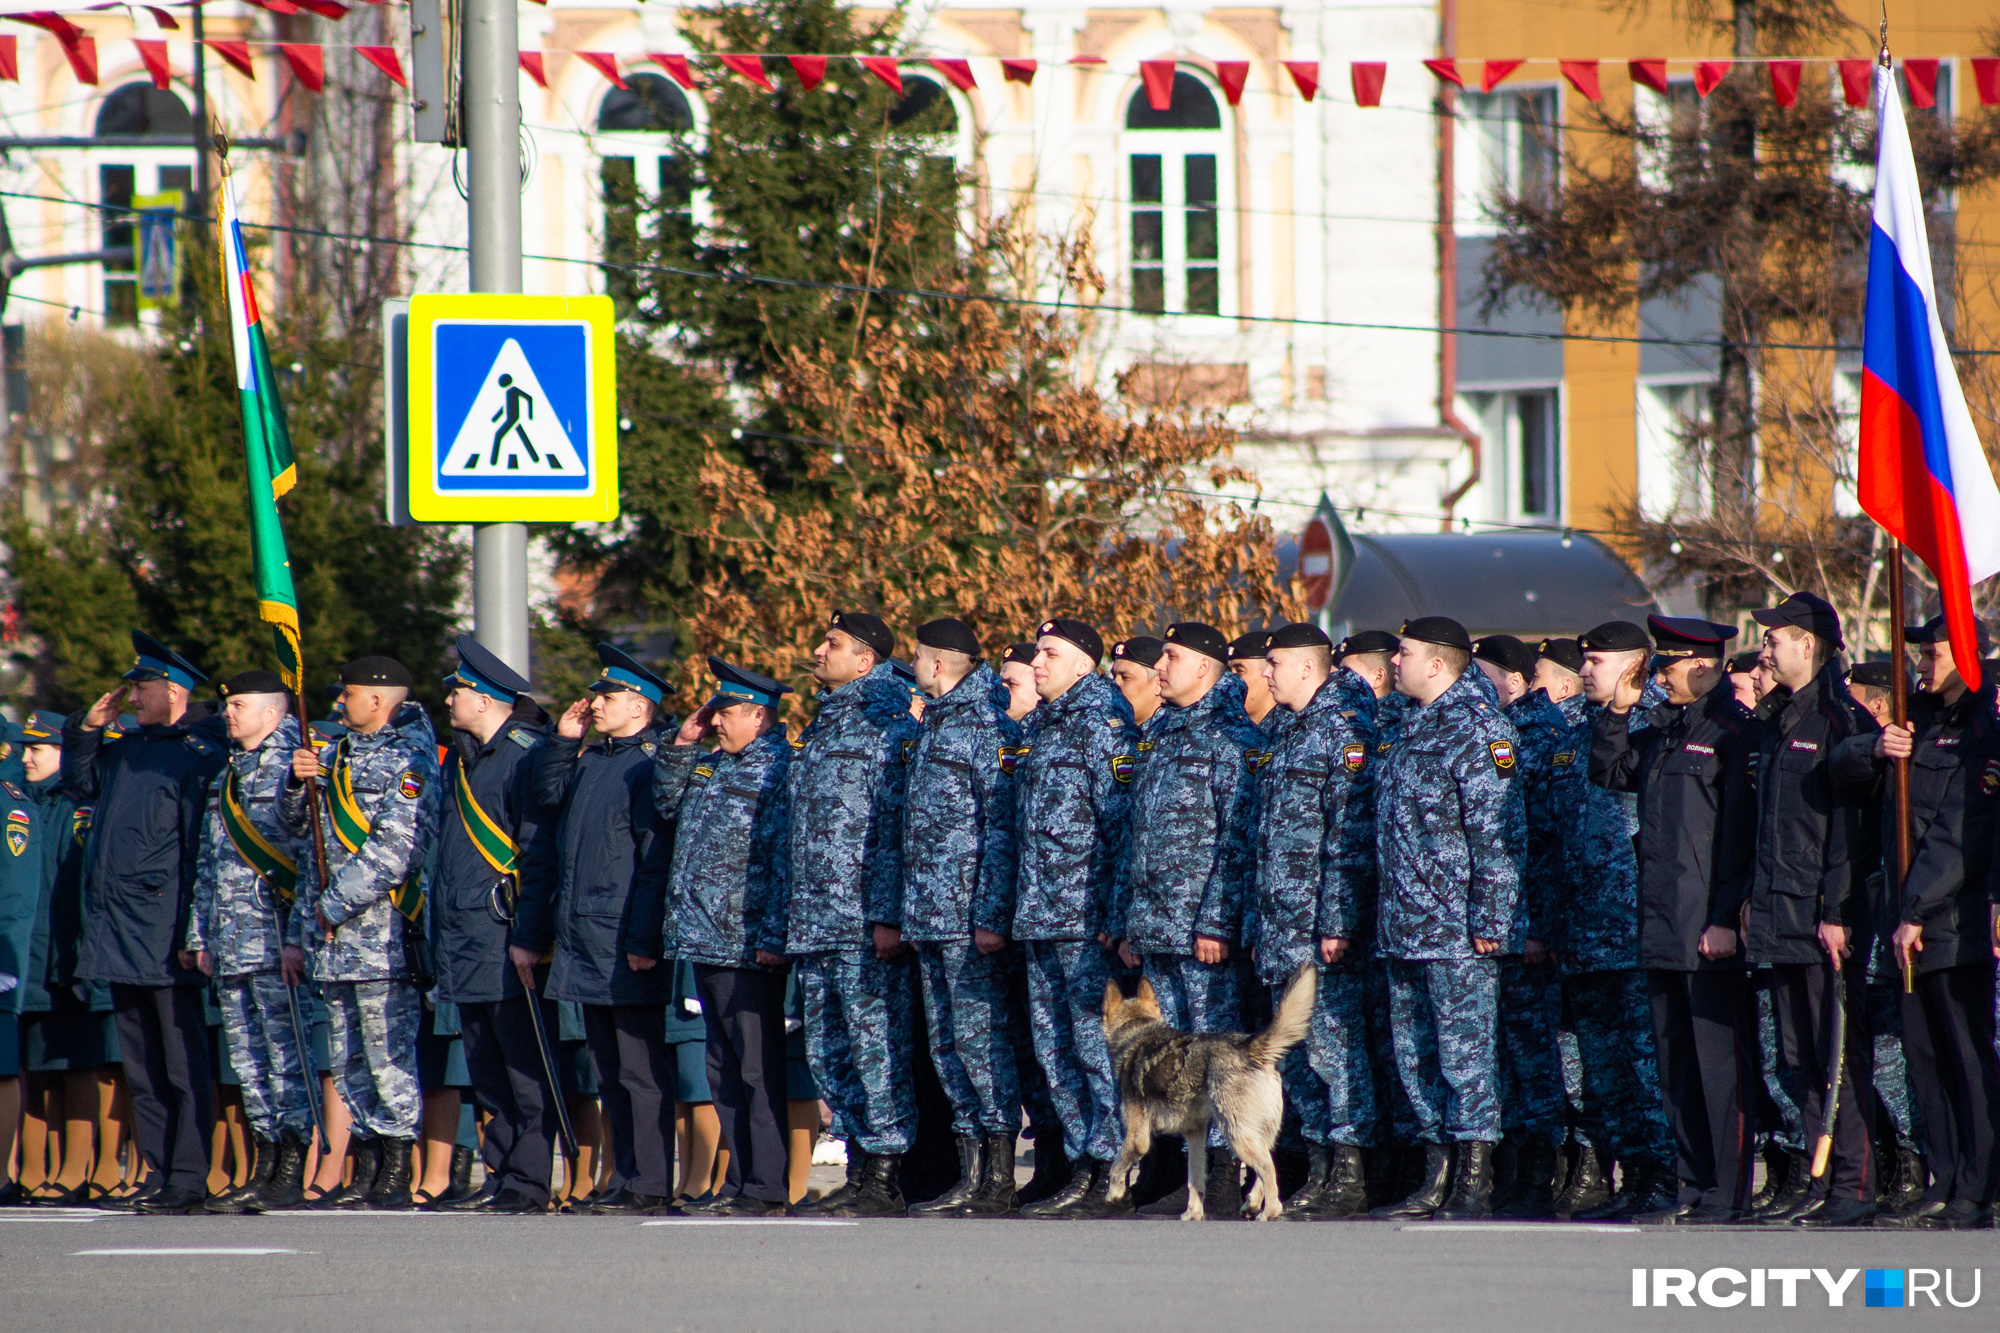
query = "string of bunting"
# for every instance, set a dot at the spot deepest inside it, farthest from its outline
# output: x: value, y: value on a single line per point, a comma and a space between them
x: 1367, y: 78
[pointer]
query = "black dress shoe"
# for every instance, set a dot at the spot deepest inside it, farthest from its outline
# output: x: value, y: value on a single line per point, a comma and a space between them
x: 624, y: 1201
x: 1958, y: 1215
x: 1838, y: 1213
x: 739, y: 1205
x: 174, y: 1199
x: 1666, y: 1217
x: 513, y: 1201
x: 1912, y: 1218
x: 475, y: 1202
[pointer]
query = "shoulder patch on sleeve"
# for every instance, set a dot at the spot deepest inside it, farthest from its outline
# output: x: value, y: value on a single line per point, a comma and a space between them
x: 412, y: 785
x: 1353, y: 756
x: 522, y: 737
x: 1503, y: 755
x: 17, y: 832
x: 1989, y: 778
x: 1121, y: 767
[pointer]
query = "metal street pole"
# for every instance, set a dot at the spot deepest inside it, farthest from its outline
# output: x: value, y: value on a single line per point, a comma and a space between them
x: 491, y: 90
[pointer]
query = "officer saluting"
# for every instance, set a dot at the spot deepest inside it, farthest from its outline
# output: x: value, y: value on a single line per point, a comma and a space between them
x: 726, y: 915
x: 486, y: 826
x: 602, y: 908
x: 378, y: 807
x: 150, y: 786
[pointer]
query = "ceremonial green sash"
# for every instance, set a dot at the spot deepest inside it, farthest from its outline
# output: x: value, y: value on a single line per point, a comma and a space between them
x: 352, y: 828
x: 491, y: 840
x: 272, y: 866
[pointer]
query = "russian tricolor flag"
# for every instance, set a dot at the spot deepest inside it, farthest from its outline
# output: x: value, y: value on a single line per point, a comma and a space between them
x: 1923, y: 474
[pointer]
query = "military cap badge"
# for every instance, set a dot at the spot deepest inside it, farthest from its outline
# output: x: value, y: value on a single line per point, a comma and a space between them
x: 1121, y: 767
x: 1503, y: 754
x: 1353, y: 756
x: 412, y: 785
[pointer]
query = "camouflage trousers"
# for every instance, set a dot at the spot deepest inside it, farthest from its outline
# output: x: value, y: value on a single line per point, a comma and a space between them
x: 1330, y: 1078
x: 1066, y: 980
x: 965, y: 1009
x: 858, y: 1011
x: 1778, y: 1116
x: 1621, y: 1108
x: 1892, y: 1074
x: 372, y: 1032
x: 1028, y: 1075
x: 1444, y: 1017
x: 1198, y: 997
x: 1389, y: 1095
x: 1575, y: 1094
x: 264, y: 1052
x: 1531, y: 1077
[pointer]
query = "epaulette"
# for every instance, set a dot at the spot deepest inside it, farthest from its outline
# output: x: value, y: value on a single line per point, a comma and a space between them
x: 648, y: 748
x: 522, y: 737
x: 13, y: 791
x: 1113, y: 721
x: 201, y: 743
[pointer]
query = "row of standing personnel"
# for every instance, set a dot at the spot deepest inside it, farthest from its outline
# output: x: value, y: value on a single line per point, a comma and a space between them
x: 1476, y: 861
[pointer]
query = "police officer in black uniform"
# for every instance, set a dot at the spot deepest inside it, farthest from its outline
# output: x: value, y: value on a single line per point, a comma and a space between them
x: 150, y: 790
x: 1691, y: 767
x: 486, y: 831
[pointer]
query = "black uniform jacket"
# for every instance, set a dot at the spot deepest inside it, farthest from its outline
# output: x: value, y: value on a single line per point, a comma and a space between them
x: 1954, y: 811
x: 150, y: 790
x: 1813, y: 851
x: 469, y: 898
x: 1691, y: 767
x: 602, y: 892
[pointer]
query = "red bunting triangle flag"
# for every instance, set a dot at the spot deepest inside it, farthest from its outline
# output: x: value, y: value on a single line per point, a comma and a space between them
x: 1709, y: 73
x: 326, y: 9
x: 1855, y: 76
x: 959, y: 72
x: 1785, y: 81
x: 1582, y: 76
x: 604, y: 63
x: 153, y: 55
x: 308, y: 63
x: 161, y: 17
x: 236, y: 55
x: 1017, y: 71
x: 1649, y: 74
x: 82, y: 56
x: 1446, y: 69
x: 1305, y: 76
x: 1367, y: 77
x: 1232, y: 75
x: 810, y: 69
x: 10, y: 59
x: 884, y: 68
x: 384, y: 59
x: 751, y: 68
x: 1158, y: 76
x: 535, y: 68
x: 1920, y: 77
x: 677, y: 66
x: 1496, y: 73
x: 1986, y: 78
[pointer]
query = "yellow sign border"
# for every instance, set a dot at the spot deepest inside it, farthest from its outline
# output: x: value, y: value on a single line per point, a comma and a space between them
x: 427, y: 503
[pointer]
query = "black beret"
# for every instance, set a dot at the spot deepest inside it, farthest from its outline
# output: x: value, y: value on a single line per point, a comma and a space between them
x: 1140, y: 648
x: 1244, y: 647
x: 1878, y: 674
x: 1204, y: 639
x: 869, y: 630
x: 954, y: 636
x: 1744, y: 662
x: 1440, y: 630
x: 1615, y: 636
x: 254, y: 682
x: 1935, y: 630
x: 1506, y: 652
x: 376, y: 671
x: 1802, y: 610
x: 1689, y: 636
x: 1301, y: 635
x: 1019, y: 654
x: 1565, y: 653
x: 1367, y: 641
x: 1074, y: 632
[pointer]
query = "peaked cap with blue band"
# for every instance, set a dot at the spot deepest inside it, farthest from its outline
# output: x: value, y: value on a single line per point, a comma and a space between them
x: 42, y: 728
x: 156, y: 661
x: 623, y: 672
x: 735, y: 685
x: 479, y: 669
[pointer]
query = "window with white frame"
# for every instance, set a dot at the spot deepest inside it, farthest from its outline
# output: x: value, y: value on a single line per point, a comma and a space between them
x: 1674, y: 479
x: 1177, y: 183
x: 1510, y: 146
x: 1846, y: 403
x: 645, y: 170
x: 1522, y: 428
x: 1671, y: 125
x: 138, y: 109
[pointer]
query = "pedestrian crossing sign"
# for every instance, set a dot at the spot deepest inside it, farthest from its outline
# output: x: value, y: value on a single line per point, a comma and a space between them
x: 513, y: 413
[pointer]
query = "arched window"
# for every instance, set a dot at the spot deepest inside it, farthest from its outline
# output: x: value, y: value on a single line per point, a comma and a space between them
x: 646, y: 102
x: 1177, y: 164
x: 648, y: 187
x: 925, y: 109
x: 148, y: 173
x: 140, y: 108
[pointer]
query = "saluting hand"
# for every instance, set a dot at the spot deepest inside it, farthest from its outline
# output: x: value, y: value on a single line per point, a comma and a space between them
x: 305, y: 764
x: 105, y: 711
x: 1625, y: 695
x: 697, y: 728
x: 574, y: 721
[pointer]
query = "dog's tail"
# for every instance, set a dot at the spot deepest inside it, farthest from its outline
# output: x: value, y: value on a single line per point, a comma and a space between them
x: 1288, y: 1025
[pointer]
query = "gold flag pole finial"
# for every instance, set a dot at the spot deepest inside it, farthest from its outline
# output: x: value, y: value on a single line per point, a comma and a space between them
x: 221, y: 144
x: 1882, y: 56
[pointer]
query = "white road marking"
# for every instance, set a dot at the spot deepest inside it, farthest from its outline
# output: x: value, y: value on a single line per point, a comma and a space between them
x: 1549, y: 1228
x: 750, y: 1222
x: 185, y: 1250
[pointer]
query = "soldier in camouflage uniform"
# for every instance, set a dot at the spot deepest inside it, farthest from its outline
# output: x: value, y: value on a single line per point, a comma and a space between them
x: 1071, y: 801
x: 244, y: 893
x: 1191, y: 871
x: 1550, y: 707
x: 1135, y: 670
x: 1249, y: 660
x: 846, y: 914
x: 1450, y: 836
x: 958, y: 905
x: 378, y: 808
x: 1315, y: 905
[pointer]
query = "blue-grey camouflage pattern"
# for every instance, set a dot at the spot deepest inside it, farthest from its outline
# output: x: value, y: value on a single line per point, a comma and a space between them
x: 1315, y: 844
x: 1778, y: 1116
x: 730, y: 884
x: 965, y: 1010
x: 846, y: 793
x: 958, y: 825
x: 1597, y: 910
x: 1892, y: 1071
x: 1194, y: 806
x: 237, y: 917
x: 1196, y: 996
x: 1330, y: 1078
x: 1548, y: 751
x: 858, y: 1011
x: 396, y: 785
x: 372, y: 1030
x: 1066, y: 981
x: 1450, y: 828
x: 1072, y: 796
x: 1390, y: 710
x: 1614, y: 1044
x: 264, y: 1052
x: 1575, y: 1094
x: 1029, y: 1076
x: 1445, y: 1017
x: 1531, y: 1082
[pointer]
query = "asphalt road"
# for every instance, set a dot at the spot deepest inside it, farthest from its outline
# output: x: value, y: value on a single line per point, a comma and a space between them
x: 358, y: 1273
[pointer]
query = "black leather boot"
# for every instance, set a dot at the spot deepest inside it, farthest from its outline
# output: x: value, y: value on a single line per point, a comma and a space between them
x: 1052, y: 1170
x: 286, y: 1187
x: 1432, y: 1184
x: 879, y: 1194
x: 1319, y: 1174
x: 1095, y: 1203
x: 1589, y: 1186
x: 1054, y: 1205
x: 971, y: 1175
x: 1472, y: 1192
x: 1346, y: 1186
x: 460, y: 1186
x: 995, y: 1195
x: 263, y: 1160
x: 392, y: 1185
x: 1786, y: 1187
x: 366, y: 1158
x: 1506, y: 1171
x: 857, y: 1164
x: 1222, y: 1195
x: 1535, y: 1195
x: 1620, y: 1204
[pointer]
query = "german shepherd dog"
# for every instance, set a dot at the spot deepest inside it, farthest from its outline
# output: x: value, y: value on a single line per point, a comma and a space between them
x: 1173, y: 1082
